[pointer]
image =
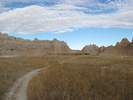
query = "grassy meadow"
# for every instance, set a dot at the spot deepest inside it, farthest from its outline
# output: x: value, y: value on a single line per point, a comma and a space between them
x: 85, y: 78
x: 12, y: 68
x: 79, y: 78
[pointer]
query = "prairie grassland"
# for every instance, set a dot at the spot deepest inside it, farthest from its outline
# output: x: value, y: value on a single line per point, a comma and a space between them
x: 85, y: 78
x: 12, y: 68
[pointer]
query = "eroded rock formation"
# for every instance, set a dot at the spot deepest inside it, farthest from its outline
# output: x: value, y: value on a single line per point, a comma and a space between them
x: 124, y: 43
x: 90, y: 49
x: 12, y: 45
x: 93, y: 50
x: 123, y: 48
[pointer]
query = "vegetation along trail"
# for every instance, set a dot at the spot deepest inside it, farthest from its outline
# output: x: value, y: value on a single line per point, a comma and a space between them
x: 19, y: 89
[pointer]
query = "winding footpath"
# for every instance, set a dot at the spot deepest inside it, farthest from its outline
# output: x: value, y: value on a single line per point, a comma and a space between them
x: 19, y: 89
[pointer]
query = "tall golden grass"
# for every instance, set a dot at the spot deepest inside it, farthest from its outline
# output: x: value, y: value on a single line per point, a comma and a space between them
x: 85, y: 78
x: 12, y: 68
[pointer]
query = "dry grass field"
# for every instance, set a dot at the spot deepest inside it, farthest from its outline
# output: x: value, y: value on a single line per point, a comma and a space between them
x: 85, y: 78
x: 12, y: 68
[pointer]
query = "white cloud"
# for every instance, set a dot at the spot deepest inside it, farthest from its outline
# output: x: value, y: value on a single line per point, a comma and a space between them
x: 2, y: 8
x: 35, y: 19
x: 92, y: 5
x: 97, y: 6
x: 8, y: 1
x: 66, y: 30
x: 67, y: 7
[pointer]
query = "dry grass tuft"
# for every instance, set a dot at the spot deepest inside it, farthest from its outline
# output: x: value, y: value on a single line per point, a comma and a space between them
x: 85, y: 78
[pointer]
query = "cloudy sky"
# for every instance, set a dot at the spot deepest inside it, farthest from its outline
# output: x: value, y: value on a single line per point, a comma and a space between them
x: 77, y: 22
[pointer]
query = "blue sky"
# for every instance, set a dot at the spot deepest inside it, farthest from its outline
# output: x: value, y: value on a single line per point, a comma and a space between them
x: 77, y: 22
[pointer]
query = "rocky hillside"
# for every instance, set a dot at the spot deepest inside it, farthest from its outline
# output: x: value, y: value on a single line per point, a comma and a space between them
x: 123, y: 48
x: 10, y: 45
x: 92, y: 50
x: 13, y: 46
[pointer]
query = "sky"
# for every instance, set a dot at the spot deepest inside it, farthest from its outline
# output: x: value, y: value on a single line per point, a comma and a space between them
x: 77, y: 22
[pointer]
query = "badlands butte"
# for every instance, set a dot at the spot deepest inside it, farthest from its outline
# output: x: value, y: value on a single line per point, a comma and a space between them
x: 13, y: 46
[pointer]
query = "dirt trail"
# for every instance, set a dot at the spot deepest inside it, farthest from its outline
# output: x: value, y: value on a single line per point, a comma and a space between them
x: 19, y: 89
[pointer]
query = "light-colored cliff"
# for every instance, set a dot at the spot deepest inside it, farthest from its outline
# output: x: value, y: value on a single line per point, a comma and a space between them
x: 12, y: 44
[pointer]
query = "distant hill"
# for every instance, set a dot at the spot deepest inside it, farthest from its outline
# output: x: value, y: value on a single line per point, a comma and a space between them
x: 124, y: 48
x: 10, y: 45
x: 13, y: 46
